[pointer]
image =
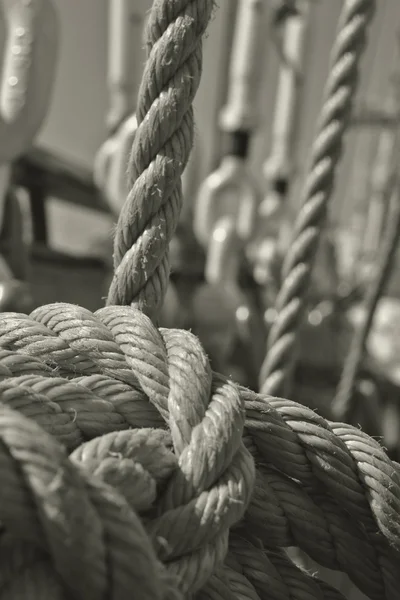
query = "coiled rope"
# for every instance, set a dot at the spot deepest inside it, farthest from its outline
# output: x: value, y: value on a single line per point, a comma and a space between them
x: 327, y: 488
x: 129, y: 468
x: 325, y: 153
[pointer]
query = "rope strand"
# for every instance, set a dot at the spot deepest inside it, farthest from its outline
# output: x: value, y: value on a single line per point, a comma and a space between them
x: 325, y: 153
x: 160, y: 152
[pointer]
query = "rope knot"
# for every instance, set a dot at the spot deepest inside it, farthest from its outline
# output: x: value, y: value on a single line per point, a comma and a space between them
x: 158, y: 465
x: 189, y: 475
x: 210, y: 488
x: 65, y: 530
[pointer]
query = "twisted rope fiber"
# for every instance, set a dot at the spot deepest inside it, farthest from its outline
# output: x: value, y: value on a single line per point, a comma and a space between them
x: 325, y: 153
x: 160, y: 153
x: 324, y: 487
x: 167, y: 502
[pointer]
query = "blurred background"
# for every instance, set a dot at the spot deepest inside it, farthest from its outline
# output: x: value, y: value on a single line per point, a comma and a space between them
x: 75, y: 125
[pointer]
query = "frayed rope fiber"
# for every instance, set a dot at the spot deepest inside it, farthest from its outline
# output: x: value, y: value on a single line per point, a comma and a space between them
x: 177, y: 482
x: 129, y: 469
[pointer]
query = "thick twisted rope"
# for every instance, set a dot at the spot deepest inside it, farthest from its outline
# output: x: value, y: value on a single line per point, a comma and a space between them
x: 324, y: 487
x: 160, y: 153
x: 325, y: 154
x: 146, y: 473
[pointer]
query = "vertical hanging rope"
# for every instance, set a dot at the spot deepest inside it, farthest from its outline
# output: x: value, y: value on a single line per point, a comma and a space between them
x: 160, y: 153
x: 325, y: 153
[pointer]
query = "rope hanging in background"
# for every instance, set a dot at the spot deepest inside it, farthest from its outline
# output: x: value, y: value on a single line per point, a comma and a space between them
x: 178, y: 482
x: 325, y: 153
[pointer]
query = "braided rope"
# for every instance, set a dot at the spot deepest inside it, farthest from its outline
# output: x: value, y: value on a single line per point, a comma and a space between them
x: 139, y: 408
x: 161, y: 149
x: 325, y: 153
